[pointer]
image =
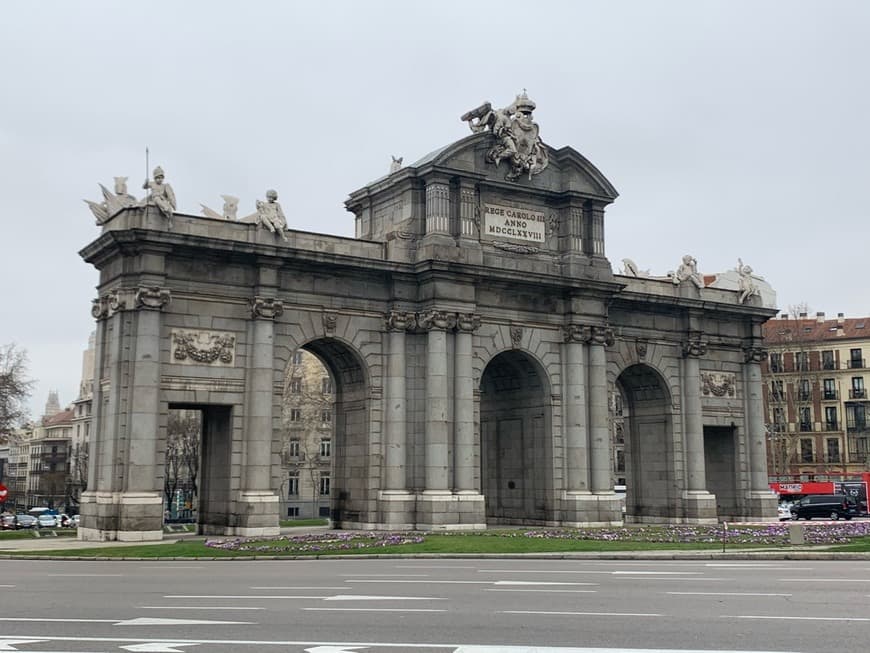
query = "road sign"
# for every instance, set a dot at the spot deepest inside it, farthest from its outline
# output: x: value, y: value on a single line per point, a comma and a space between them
x: 4, y: 492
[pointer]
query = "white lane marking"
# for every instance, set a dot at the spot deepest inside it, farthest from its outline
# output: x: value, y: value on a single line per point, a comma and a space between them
x: 658, y: 573
x: 155, y: 647
x: 735, y: 565
x: 756, y: 616
x: 257, y: 597
x: 333, y: 649
x: 149, y: 621
x: 548, y: 591
x: 617, y: 572
x: 824, y: 580
x: 386, y: 575
x: 682, y: 580
x: 457, y: 648
x: 87, y: 575
x: 586, y: 614
x: 170, y: 565
x: 725, y: 594
x: 193, y: 607
x: 82, y: 621
x: 428, y: 582
x: 372, y: 610
x: 10, y: 644
x: 296, y: 587
x: 434, y: 567
x: 6, y: 586
x: 354, y: 597
x: 537, y: 582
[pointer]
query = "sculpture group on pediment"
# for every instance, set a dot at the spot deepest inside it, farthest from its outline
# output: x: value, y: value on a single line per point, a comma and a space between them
x: 112, y: 201
x: 270, y: 215
x: 160, y: 194
x: 229, y: 211
x: 746, y: 284
x: 516, y: 134
x: 688, y: 271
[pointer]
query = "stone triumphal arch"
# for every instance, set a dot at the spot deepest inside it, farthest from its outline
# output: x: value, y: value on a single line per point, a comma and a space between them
x: 477, y: 337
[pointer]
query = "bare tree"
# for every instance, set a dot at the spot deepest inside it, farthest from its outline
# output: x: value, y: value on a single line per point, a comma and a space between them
x: 182, y: 453
x: 15, y: 388
x: 77, y: 480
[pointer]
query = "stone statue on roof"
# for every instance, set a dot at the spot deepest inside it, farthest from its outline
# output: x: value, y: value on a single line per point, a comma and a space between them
x: 231, y: 207
x: 746, y: 284
x: 161, y: 194
x: 112, y: 202
x: 688, y: 271
x: 517, y: 136
x: 270, y: 214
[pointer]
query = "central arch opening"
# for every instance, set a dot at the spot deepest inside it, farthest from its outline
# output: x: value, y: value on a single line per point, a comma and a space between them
x: 516, y: 443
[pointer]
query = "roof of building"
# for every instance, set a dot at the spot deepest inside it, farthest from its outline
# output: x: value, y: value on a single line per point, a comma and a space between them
x: 817, y: 329
x: 63, y: 417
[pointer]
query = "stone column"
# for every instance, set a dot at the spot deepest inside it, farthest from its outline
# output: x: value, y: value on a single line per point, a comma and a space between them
x: 696, y: 477
x: 467, y: 210
x: 437, y: 409
x: 258, y: 504
x: 599, y: 423
x: 395, y: 415
x: 575, y: 403
x: 463, y: 405
x: 755, y: 431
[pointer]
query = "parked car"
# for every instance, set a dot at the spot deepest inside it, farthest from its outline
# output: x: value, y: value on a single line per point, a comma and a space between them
x: 828, y: 506
x: 7, y: 522
x: 47, y: 521
x: 26, y: 521
x: 783, y: 511
x: 74, y: 521
x: 63, y: 520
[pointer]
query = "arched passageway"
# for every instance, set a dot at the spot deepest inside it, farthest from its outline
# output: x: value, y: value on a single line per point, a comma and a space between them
x: 516, y: 445
x: 651, y: 495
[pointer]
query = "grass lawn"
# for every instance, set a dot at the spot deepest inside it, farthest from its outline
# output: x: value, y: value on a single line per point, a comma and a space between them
x: 291, y: 523
x: 853, y: 537
x: 32, y: 533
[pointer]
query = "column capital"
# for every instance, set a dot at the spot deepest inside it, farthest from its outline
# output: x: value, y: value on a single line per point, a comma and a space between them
x: 152, y: 298
x: 577, y: 333
x: 399, y: 321
x: 467, y: 322
x: 754, y: 354
x: 108, y: 304
x: 694, y: 347
x: 601, y: 335
x: 266, y: 308
x: 434, y: 319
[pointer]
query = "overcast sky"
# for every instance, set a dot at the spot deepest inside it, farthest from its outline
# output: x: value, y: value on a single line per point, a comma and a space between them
x: 730, y: 129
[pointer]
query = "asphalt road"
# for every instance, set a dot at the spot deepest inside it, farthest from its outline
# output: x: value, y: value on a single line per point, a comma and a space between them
x: 449, y: 605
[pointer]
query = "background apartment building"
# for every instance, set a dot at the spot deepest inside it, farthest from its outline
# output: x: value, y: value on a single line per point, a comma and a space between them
x: 815, y: 397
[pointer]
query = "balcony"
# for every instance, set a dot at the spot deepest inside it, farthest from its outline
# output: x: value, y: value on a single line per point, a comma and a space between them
x: 857, y: 393
x: 828, y: 365
x: 856, y: 363
x: 831, y: 426
x: 806, y: 427
x: 776, y: 366
x: 829, y: 395
x: 804, y: 395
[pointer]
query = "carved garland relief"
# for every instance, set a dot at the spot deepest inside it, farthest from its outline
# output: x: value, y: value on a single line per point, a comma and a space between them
x: 718, y: 384
x: 203, y: 347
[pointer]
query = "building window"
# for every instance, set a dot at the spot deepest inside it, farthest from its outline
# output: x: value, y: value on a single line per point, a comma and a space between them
x: 293, y: 448
x: 806, y: 450
x: 855, y: 359
x: 295, y: 414
x: 779, y: 418
x: 857, y: 387
x: 326, y: 415
x: 856, y: 418
x: 297, y: 357
x: 293, y: 511
x: 296, y: 386
x: 776, y: 390
x: 833, y: 450
x: 804, y: 392
x: 775, y: 362
x: 293, y: 485
x: 620, y: 461
x: 806, y: 421
x: 802, y: 361
x: 831, y: 418
x: 830, y: 389
x: 325, y: 448
x: 827, y: 360
x: 324, y: 484
x: 326, y: 386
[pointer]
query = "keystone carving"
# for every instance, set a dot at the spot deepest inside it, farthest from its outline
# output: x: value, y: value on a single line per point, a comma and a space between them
x: 601, y: 335
x: 577, y: 333
x: 330, y: 319
x: 267, y: 308
x: 153, y: 298
x: 641, y: 346
x: 516, y: 336
x: 203, y: 347
x: 718, y: 384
